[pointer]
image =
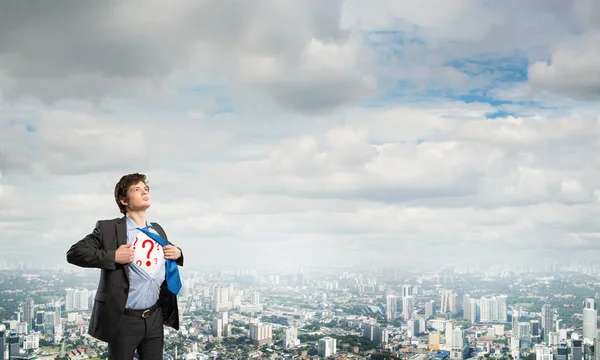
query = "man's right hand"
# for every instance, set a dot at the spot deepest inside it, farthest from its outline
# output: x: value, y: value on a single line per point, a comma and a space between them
x: 124, y: 254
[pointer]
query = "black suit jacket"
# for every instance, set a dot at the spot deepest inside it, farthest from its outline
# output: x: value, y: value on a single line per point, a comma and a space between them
x: 97, y: 250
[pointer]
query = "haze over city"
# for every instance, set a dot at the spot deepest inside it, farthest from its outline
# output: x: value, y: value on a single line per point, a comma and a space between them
x: 306, y: 133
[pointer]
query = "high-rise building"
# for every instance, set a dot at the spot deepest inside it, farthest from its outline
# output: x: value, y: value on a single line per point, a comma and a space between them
x: 470, y: 309
x: 524, y: 330
x: 2, y: 344
x: 501, y: 309
x: 445, y: 301
x: 412, y: 328
x: 460, y: 348
x: 77, y: 299
x: 391, y: 308
x: 596, y: 350
x: 454, y: 304
x: 31, y: 342
x: 381, y: 335
x: 543, y: 352
x: 434, y: 341
x: 589, y: 351
x: 590, y: 318
x: 217, y: 327
x: 291, y: 337
x: 408, y: 307
x: 368, y: 331
x: 535, y: 328
x: 28, y: 313
x: 327, y: 346
x: 13, y: 346
x: 515, y: 323
x: 562, y: 352
x: 486, y: 309
x: 576, y: 350
x: 261, y: 334
x: 448, y: 335
x: 255, y: 298
x: 430, y: 308
x: 407, y: 290
x: 221, y: 325
x: 547, y: 320
x: 221, y: 298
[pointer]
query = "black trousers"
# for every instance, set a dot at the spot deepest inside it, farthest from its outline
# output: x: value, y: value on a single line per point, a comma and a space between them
x: 136, y: 333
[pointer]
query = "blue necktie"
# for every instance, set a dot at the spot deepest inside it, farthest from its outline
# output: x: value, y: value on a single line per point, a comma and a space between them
x: 172, y: 275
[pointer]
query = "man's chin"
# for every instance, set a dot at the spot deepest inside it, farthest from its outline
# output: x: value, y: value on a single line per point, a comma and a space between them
x: 143, y: 207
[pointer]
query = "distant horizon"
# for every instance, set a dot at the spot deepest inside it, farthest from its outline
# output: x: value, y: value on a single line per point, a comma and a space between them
x: 449, y: 269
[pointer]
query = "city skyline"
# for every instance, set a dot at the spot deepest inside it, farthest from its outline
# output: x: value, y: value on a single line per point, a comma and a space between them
x: 305, y: 134
x: 457, y: 317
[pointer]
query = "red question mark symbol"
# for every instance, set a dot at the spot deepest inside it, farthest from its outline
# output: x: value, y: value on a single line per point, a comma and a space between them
x: 148, y: 263
x: 135, y: 242
x: 138, y: 262
x: 155, y: 261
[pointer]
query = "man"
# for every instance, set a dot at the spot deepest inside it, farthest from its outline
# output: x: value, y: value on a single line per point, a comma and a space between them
x: 139, y: 281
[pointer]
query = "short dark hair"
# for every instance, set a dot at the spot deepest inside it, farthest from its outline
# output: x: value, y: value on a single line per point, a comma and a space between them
x: 123, y: 186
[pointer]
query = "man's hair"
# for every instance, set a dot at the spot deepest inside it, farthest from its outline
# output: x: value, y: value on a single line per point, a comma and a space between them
x: 123, y: 186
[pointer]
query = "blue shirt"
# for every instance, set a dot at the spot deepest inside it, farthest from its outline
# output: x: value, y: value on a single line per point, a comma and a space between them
x: 144, y: 289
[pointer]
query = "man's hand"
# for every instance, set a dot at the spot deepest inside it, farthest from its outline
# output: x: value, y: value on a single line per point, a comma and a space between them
x: 124, y: 254
x: 171, y: 252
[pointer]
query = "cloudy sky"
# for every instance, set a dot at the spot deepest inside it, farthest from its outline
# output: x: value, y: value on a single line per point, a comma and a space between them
x: 306, y: 132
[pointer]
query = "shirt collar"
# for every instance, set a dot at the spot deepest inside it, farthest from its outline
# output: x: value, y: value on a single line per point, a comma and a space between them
x: 131, y: 225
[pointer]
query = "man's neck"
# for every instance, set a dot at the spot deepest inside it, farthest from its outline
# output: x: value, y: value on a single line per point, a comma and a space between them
x: 138, y: 217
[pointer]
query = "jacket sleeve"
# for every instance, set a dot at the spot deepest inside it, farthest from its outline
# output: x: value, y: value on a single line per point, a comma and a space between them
x: 89, y: 252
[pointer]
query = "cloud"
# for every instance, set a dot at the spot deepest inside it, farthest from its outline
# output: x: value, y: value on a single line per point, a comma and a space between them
x: 573, y: 69
x: 473, y: 184
x: 334, y: 132
x: 295, y: 55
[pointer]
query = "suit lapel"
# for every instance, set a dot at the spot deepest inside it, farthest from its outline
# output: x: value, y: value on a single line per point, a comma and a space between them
x: 121, y: 232
x: 121, y: 229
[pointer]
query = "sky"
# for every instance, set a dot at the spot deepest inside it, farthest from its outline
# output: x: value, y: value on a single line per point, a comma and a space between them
x: 290, y: 134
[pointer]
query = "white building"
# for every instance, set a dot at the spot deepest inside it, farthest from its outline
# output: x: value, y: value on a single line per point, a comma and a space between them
x: 327, y: 346
x: 408, y: 307
x: 77, y: 299
x: 31, y: 342
x: 590, y: 315
x: 391, y: 308
x: 261, y: 334
x: 291, y: 338
x: 543, y: 352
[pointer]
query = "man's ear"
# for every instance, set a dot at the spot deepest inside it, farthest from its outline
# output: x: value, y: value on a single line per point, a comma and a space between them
x: 123, y: 201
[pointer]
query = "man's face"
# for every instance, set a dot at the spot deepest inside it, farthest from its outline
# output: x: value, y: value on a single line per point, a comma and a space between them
x: 138, y: 197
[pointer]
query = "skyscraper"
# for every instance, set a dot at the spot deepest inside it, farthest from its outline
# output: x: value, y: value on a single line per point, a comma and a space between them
x: 408, y: 307
x: 76, y: 299
x: 590, y: 315
x: 255, y: 298
x: 28, y: 312
x: 407, y: 290
x: 291, y: 337
x: 547, y: 320
x: 261, y: 334
x: 2, y: 343
x: 221, y: 298
x: 327, y: 346
x: 391, y: 308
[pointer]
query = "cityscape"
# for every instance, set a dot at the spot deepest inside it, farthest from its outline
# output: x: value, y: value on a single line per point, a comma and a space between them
x: 470, y: 312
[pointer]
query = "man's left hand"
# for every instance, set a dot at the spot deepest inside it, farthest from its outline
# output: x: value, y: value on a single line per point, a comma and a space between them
x: 171, y: 252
